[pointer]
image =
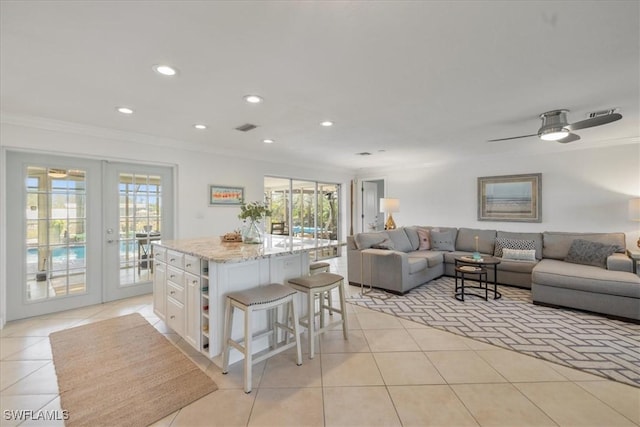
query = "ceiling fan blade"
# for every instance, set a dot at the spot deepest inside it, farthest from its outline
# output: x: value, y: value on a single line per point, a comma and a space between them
x: 569, y: 138
x: 595, y: 121
x: 513, y: 137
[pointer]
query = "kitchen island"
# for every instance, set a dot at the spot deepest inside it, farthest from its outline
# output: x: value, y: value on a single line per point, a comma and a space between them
x: 192, y: 277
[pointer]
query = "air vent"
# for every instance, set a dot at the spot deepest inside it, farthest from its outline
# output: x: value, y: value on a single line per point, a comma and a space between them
x: 601, y: 113
x: 364, y: 153
x: 246, y: 127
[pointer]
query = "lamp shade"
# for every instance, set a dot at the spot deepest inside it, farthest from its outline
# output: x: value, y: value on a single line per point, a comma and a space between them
x: 389, y: 205
x: 634, y: 209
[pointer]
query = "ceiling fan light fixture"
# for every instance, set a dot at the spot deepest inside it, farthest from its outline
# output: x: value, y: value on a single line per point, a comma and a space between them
x: 553, y: 134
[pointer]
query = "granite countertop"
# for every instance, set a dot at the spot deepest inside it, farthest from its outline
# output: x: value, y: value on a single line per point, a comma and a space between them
x: 213, y: 249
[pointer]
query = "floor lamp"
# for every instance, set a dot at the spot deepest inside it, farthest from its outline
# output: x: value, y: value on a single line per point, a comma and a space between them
x: 389, y: 206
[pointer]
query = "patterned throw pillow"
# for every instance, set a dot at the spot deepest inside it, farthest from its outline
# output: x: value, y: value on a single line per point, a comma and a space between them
x: 519, y: 254
x: 503, y: 242
x: 590, y: 253
x: 425, y: 239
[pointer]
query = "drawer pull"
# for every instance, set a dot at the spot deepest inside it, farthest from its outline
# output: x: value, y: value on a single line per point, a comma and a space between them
x: 173, y: 317
x: 172, y: 292
x: 188, y: 265
x: 172, y: 276
x: 195, y: 282
x: 172, y: 259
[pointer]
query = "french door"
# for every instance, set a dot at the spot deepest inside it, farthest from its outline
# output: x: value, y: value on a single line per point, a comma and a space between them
x: 59, y: 213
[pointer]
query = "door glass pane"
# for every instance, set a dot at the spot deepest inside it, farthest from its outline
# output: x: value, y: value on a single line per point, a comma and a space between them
x: 55, y: 233
x: 140, y: 221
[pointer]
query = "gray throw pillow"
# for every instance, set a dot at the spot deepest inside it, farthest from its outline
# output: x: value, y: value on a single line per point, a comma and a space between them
x: 443, y: 240
x: 385, y: 244
x: 590, y: 253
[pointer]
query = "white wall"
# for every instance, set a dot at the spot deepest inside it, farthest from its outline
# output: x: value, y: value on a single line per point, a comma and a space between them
x: 582, y: 190
x: 195, y: 171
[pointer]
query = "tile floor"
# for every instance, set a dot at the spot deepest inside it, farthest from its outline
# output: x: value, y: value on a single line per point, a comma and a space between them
x: 390, y: 372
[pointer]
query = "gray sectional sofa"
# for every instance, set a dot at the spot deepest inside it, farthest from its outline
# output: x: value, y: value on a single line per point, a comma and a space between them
x: 586, y: 271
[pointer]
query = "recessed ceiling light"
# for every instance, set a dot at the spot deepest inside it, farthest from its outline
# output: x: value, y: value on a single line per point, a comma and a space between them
x: 327, y: 123
x: 125, y: 110
x: 268, y: 141
x: 253, y: 99
x: 200, y: 126
x: 165, y: 70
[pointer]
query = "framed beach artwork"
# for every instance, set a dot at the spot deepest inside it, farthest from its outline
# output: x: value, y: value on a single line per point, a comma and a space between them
x: 510, y: 198
x: 223, y: 195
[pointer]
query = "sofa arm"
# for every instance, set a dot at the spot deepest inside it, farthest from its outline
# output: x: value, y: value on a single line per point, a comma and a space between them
x: 383, y: 268
x: 620, y: 262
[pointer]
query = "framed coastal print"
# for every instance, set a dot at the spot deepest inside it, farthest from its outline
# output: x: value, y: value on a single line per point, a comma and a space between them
x: 223, y: 195
x: 510, y: 198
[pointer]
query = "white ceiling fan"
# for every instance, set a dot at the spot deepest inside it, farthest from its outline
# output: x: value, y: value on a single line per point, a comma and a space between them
x: 556, y: 128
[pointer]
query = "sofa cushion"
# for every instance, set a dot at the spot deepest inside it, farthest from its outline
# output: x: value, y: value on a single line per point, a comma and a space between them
x: 443, y: 240
x: 519, y: 254
x: 516, y: 266
x: 557, y: 244
x: 590, y: 253
x: 416, y: 265
x: 505, y: 243
x: 536, y: 237
x: 587, y: 278
x: 400, y: 240
x: 366, y: 240
x: 466, y: 241
x: 433, y: 257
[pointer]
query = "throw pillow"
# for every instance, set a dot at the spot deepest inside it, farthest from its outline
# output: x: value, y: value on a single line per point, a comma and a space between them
x: 443, y: 240
x: 503, y: 242
x: 590, y: 253
x: 425, y: 241
x: 385, y: 244
x: 519, y: 254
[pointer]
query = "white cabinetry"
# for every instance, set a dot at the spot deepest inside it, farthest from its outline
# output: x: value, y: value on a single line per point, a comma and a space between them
x: 180, y: 295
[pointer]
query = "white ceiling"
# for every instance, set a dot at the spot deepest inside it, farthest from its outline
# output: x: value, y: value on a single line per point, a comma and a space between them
x: 414, y: 83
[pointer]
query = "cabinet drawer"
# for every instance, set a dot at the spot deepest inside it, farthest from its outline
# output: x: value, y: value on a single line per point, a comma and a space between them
x: 175, y: 316
x: 192, y: 264
x: 159, y: 253
x: 175, y: 275
x: 175, y: 291
x: 192, y: 280
x: 175, y: 259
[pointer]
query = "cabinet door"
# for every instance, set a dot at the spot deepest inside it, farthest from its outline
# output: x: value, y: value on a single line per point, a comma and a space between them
x: 159, y: 291
x: 193, y: 309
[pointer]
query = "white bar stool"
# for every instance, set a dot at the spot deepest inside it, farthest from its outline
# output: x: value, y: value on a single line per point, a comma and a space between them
x: 322, y: 267
x: 316, y: 285
x: 268, y: 297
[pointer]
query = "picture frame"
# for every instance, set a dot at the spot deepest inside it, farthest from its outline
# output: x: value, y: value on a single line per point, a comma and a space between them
x: 222, y: 195
x: 513, y: 198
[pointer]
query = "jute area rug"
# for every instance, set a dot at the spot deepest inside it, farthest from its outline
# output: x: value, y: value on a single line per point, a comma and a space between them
x: 592, y: 343
x: 123, y: 372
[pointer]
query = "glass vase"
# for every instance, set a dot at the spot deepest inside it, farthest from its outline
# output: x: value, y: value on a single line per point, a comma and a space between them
x: 251, y: 233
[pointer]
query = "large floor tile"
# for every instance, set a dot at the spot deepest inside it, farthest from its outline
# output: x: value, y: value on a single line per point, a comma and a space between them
x: 13, y: 371
x: 10, y: 346
x: 10, y: 406
x: 458, y: 367
x: 405, y: 368
x: 621, y: 397
x: 350, y: 369
x: 390, y: 340
x: 359, y: 406
x: 287, y: 407
x: 568, y: 404
x: 235, y: 377
x: 40, y: 381
x: 500, y: 405
x: 516, y: 367
x: 334, y: 342
x: 220, y: 408
x: 430, y: 339
x: 375, y: 320
x: 281, y: 371
x: 430, y: 405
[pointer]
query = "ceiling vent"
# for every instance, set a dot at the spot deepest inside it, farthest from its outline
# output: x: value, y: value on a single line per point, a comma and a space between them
x: 601, y: 113
x: 246, y: 127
